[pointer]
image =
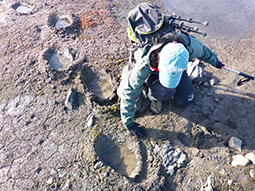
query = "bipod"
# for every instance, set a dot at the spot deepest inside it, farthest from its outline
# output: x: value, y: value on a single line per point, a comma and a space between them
x: 172, y: 18
x: 246, y: 78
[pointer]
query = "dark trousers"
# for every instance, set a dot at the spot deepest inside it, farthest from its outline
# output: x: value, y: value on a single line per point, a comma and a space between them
x: 183, y: 94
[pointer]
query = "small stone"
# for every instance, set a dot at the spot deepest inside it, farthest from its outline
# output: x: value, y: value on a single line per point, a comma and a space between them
x: 223, y: 171
x: 106, y: 174
x: 239, y: 160
x: 138, y: 188
x: 170, y: 169
x: 165, y: 150
x: 67, y: 184
x: 251, y: 157
x: 206, y: 84
x: 252, y: 173
x: 235, y: 143
x: 98, y: 165
x: 208, y: 185
x: 53, y: 172
x: 48, y: 80
x: 212, y: 82
x: 90, y: 120
x: 156, y: 150
x: 230, y: 182
x: 61, y: 174
x: 71, y: 99
x: 49, y: 181
x: 181, y: 159
x: 52, y: 86
x: 195, y: 151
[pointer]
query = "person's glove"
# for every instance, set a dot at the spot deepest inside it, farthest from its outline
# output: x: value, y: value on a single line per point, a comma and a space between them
x: 136, y: 130
x: 219, y: 64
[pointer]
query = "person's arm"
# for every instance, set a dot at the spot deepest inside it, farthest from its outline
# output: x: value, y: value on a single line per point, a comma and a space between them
x: 200, y: 51
x: 131, y: 89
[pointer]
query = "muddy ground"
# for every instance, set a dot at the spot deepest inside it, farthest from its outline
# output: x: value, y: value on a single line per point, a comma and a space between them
x: 46, y: 146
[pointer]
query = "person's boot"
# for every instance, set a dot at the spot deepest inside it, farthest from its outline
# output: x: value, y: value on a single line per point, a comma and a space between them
x: 156, y: 107
x: 142, y: 102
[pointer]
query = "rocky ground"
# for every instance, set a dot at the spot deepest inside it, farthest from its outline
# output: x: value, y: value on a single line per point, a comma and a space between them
x: 48, y: 143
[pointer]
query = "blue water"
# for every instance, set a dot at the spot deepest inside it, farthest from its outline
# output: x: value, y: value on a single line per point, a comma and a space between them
x: 227, y: 18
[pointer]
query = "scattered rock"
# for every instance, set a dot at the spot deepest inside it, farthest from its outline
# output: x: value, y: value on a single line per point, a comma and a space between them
x: 98, y: 165
x: 206, y: 84
x: 252, y: 173
x: 67, y: 184
x: 48, y: 80
x: 61, y: 174
x: 49, y: 181
x: 223, y: 171
x: 53, y: 172
x: 239, y: 160
x: 171, y: 168
x: 230, y: 182
x: 251, y: 157
x: 138, y: 188
x: 194, y: 71
x: 208, y: 185
x: 235, y: 143
x: 90, y: 120
x: 181, y: 160
x: 171, y: 158
x: 212, y: 82
x: 71, y: 100
x: 106, y: 174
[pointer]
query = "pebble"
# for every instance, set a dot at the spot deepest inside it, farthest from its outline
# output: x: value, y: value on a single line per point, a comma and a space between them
x: 239, y: 160
x: 223, y: 171
x: 181, y: 159
x: 61, y: 174
x: 98, y: 165
x: 106, y: 174
x: 252, y: 173
x: 251, y: 157
x: 235, y: 143
x: 170, y: 169
x: 171, y: 158
x: 48, y: 80
x: 208, y: 185
x: 90, y: 120
x: 206, y: 84
x: 212, y: 82
x: 49, y: 181
x: 156, y: 150
x: 53, y: 172
x: 230, y: 182
x: 71, y: 99
x: 67, y: 184
x: 138, y: 188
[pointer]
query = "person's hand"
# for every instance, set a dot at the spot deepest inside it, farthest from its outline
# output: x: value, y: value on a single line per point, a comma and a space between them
x: 136, y: 130
x: 219, y: 64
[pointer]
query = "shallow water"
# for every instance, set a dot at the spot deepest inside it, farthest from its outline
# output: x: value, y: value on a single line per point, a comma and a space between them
x: 23, y: 9
x: 227, y: 18
x: 101, y: 88
x: 119, y: 157
x: 59, y: 62
x: 62, y: 23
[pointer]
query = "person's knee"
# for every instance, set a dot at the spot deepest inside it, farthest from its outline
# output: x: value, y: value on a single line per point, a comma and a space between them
x: 185, y: 102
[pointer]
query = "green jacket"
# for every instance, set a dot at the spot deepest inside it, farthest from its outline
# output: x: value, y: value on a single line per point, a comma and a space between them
x: 141, y: 71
